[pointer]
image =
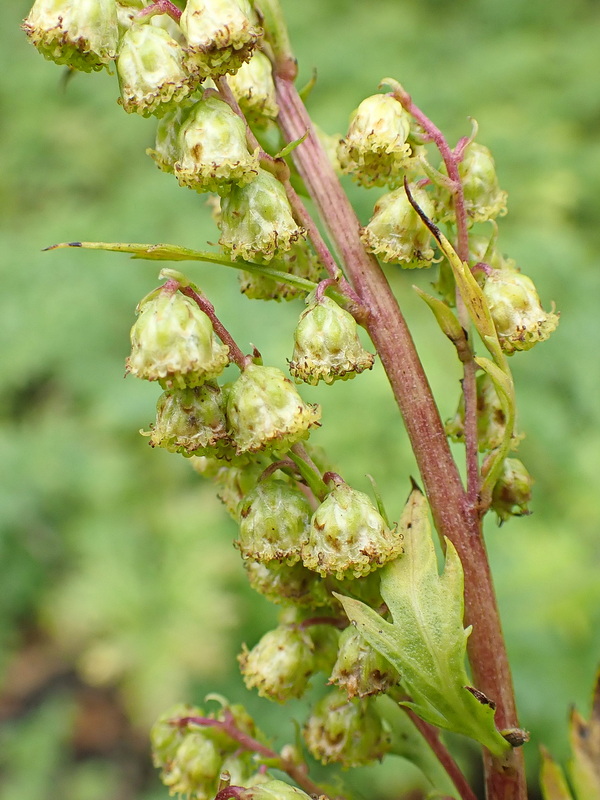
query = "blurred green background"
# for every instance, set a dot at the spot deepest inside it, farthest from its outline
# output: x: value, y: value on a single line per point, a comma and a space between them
x: 120, y: 592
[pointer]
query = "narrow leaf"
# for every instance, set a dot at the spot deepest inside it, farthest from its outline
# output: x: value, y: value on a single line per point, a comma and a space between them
x: 552, y: 779
x: 585, y: 744
x: 447, y: 321
x: 426, y: 641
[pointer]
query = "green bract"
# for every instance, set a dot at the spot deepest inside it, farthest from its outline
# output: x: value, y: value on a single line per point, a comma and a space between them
x: 280, y: 666
x: 344, y: 731
x: 396, y: 233
x: 326, y: 344
x: 518, y: 316
x: 212, y: 149
x: 348, y: 536
x: 151, y: 73
x: 264, y: 410
x: 256, y: 219
x: 220, y: 35
x: 375, y: 151
x: 80, y: 33
x: 274, y: 522
x: 173, y: 342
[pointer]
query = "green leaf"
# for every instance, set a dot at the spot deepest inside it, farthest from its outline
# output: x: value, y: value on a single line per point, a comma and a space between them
x: 426, y: 641
x: 552, y: 779
x: 448, y: 322
x: 585, y: 744
x: 173, y: 252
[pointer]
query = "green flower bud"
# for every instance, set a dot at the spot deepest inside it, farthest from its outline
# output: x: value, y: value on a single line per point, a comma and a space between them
x: 281, y: 664
x: 275, y: 790
x: 253, y: 88
x: 484, y: 199
x: 326, y: 344
x: 396, y: 233
x: 256, y: 219
x: 274, y: 521
x: 167, y: 737
x: 151, y: 73
x: 82, y: 34
x: 196, y: 767
x: 482, y: 249
x: 515, y: 307
x: 265, y: 410
x: 512, y: 492
x: 348, y: 536
x: 189, y: 420
x: 299, y: 260
x: 326, y: 640
x: 233, y: 480
x: 360, y: 669
x: 491, y: 419
x: 167, y: 151
x: 282, y: 583
x: 220, y: 35
x: 375, y: 151
x: 344, y: 731
x: 212, y: 148
x: 173, y: 342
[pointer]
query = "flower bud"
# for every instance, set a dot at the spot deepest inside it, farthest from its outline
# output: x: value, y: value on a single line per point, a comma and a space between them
x: 281, y: 664
x: 396, y: 233
x: 326, y: 344
x: 360, y: 669
x: 348, y: 536
x: 166, y: 151
x: 233, y: 480
x: 484, y: 199
x: 82, y: 34
x: 375, y: 151
x: 212, y: 148
x: 515, y: 307
x: 482, y: 249
x: 265, y: 410
x: 166, y: 736
x: 282, y: 584
x: 491, y: 419
x: 344, y: 731
x: 274, y: 521
x: 274, y: 790
x: 512, y: 492
x: 220, y: 35
x: 256, y: 219
x: 253, y: 88
x: 299, y: 260
x: 190, y: 420
x: 196, y: 767
x: 173, y: 342
x: 151, y: 73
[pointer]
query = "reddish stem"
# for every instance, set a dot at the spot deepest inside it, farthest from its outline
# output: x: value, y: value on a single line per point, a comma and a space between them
x: 452, y: 515
x: 205, y: 305
x: 162, y: 7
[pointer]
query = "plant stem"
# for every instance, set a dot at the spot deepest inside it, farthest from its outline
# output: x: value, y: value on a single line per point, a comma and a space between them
x: 221, y: 331
x: 453, y: 518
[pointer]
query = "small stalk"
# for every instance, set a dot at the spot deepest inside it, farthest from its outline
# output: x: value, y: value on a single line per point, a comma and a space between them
x: 236, y: 354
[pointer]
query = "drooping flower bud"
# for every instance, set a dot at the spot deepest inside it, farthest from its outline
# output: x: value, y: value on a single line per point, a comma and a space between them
x: 344, y: 731
x: 274, y: 522
x: 274, y: 790
x: 212, y: 148
x: 220, y: 35
x: 282, y: 584
x: 326, y: 344
x: 484, y: 199
x: 299, y: 260
x: 280, y: 666
x: 265, y: 410
x: 173, y: 342
x: 233, y: 480
x: 482, y: 249
x: 196, y: 767
x: 253, y: 88
x: 512, y: 492
x: 375, y: 151
x: 360, y: 669
x: 83, y: 34
x: 166, y: 737
x: 256, y: 219
x: 491, y: 419
x: 190, y: 420
x: 166, y: 149
x: 348, y: 536
x: 515, y: 307
x: 151, y: 73
x: 396, y: 233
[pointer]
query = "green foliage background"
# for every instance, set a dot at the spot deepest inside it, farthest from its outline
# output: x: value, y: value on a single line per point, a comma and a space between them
x: 118, y: 579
